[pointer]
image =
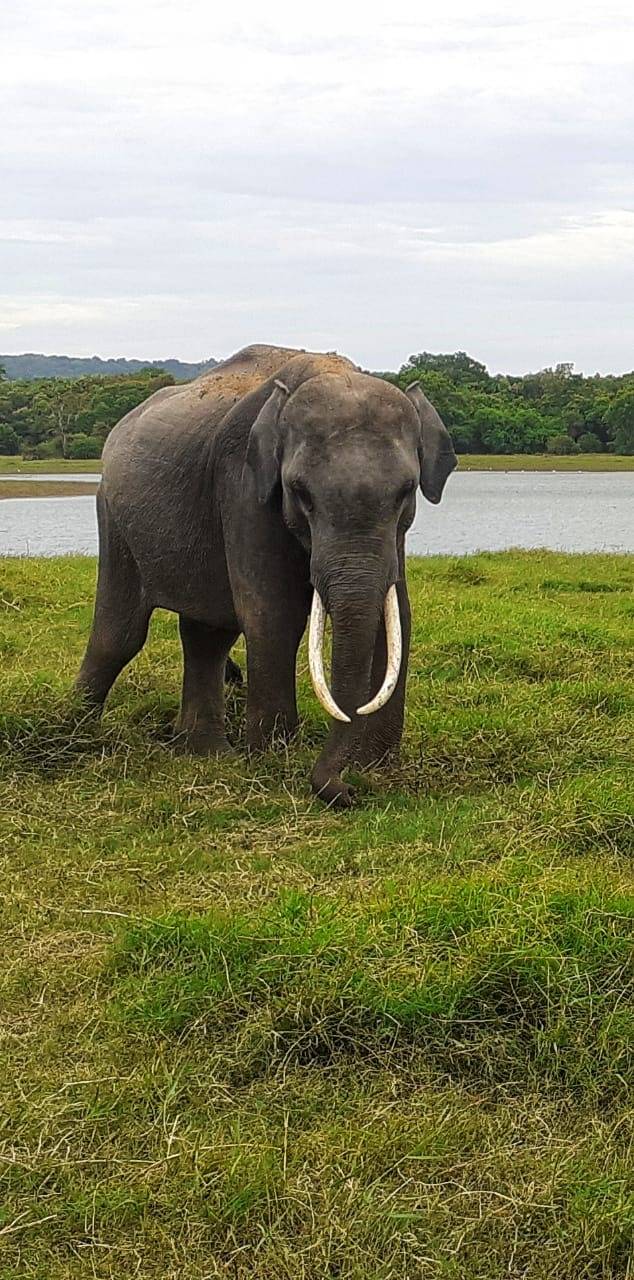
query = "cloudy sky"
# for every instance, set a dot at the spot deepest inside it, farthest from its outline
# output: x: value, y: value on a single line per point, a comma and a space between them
x: 177, y: 180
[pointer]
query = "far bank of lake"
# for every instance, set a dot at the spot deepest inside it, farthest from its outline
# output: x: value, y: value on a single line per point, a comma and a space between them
x: 90, y: 468
x: 61, y: 477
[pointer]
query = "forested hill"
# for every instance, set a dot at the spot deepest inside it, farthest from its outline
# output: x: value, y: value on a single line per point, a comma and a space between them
x: 553, y: 411
x: 29, y: 367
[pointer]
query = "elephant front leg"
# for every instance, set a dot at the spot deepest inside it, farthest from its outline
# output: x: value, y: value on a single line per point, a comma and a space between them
x: 383, y: 731
x: 201, y: 724
x: 271, y: 672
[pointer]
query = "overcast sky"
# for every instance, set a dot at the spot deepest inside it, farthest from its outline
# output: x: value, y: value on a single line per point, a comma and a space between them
x: 179, y: 181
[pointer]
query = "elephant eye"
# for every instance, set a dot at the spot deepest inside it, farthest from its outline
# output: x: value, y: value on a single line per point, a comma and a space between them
x: 300, y: 492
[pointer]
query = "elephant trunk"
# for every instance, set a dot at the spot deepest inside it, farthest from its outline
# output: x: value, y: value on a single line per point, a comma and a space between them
x: 356, y: 595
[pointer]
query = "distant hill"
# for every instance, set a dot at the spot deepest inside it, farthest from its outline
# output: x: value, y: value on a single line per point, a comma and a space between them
x: 30, y: 366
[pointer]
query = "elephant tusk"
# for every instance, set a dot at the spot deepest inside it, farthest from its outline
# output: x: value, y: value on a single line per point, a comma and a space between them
x: 394, y: 653
x: 316, y: 660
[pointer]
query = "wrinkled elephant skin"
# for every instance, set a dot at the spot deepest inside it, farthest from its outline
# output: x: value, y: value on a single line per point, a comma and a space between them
x: 280, y: 478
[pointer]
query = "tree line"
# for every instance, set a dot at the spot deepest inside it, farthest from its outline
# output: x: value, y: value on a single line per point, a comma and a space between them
x: 556, y: 410
x: 70, y: 417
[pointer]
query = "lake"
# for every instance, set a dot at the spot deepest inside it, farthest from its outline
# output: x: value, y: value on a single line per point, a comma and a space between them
x: 481, y: 511
x: 48, y: 477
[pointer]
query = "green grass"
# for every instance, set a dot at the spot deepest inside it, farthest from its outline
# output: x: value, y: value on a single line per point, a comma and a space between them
x: 245, y: 1036
x: 545, y: 462
x: 467, y: 462
x: 52, y: 466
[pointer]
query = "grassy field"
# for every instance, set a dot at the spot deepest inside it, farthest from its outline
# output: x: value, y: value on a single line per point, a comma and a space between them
x: 244, y: 1036
x: 468, y: 462
x: 544, y: 462
x: 42, y: 489
x: 49, y: 466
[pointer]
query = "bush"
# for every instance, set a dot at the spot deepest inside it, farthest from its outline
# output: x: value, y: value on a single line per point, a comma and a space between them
x: 562, y: 445
x: 624, y: 441
x: 47, y: 449
x: 589, y: 443
x: 83, y: 446
x: 9, y: 440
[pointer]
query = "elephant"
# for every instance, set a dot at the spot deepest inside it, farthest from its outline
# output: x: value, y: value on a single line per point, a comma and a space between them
x: 277, y: 487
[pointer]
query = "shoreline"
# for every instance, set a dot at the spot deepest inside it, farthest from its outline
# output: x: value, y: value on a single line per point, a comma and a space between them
x: 62, y: 478
x: 47, y: 489
x: 585, y: 462
x: 68, y: 481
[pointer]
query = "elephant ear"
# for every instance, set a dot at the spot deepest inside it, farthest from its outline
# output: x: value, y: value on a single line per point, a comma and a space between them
x: 436, y: 452
x: 264, y: 450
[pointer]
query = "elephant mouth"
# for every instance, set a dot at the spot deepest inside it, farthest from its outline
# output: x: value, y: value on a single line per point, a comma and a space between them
x: 392, y: 617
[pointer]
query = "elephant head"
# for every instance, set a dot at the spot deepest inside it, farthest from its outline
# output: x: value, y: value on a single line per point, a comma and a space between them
x: 341, y: 456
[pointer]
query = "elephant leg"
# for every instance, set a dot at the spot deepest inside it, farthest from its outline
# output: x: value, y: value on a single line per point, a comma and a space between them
x: 121, y: 615
x: 201, y: 720
x: 271, y: 673
x: 384, y: 729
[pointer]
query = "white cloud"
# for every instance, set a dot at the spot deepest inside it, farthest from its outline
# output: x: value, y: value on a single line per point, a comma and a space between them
x: 602, y: 240
x: 31, y: 312
x: 371, y: 180
x: 33, y: 231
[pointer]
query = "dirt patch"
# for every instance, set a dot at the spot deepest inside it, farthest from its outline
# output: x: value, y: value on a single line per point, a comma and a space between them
x: 252, y: 366
x: 46, y: 489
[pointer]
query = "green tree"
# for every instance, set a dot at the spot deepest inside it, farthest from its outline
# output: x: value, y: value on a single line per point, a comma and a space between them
x: 453, y: 403
x: 507, y: 427
x: 552, y: 389
x: 573, y: 416
x: 506, y: 413
x: 9, y: 440
x: 597, y: 403
x: 620, y: 421
x: 46, y: 413
x: 55, y: 407
x: 461, y: 368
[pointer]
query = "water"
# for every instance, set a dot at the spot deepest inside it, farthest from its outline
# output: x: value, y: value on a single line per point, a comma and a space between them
x: 481, y: 511
x: 48, y: 526
x: 74, y: 477
x: 495, y: 510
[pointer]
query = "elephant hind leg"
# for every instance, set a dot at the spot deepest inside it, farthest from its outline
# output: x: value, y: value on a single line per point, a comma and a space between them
x: 121, y: 614
x: 205, y: 654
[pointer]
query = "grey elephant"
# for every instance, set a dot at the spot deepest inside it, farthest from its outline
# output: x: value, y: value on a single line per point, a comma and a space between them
x: 278, y: 486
